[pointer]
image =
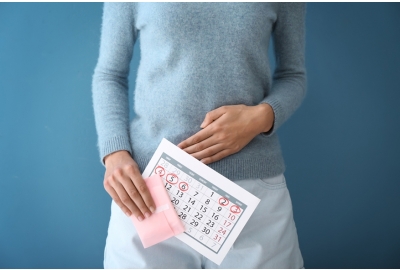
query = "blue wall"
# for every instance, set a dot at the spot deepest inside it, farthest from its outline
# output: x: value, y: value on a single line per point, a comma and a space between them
x: 342, y: 147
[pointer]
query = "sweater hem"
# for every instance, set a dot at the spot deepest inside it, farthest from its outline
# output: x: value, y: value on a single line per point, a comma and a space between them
x: 239, y: 169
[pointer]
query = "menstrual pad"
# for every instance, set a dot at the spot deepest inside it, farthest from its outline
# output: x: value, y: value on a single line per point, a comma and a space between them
x: 164, y: 222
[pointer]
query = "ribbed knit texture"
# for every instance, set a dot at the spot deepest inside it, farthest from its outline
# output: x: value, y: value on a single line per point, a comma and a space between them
x: 196, y: 57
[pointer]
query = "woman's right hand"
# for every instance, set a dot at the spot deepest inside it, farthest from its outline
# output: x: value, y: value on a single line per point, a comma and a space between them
x: 124, y: 183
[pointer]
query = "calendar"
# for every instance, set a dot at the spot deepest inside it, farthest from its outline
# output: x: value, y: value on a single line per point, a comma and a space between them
x: 213, y: 209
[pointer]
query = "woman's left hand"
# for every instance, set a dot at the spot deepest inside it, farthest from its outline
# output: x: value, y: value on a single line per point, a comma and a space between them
x: 227, y: 130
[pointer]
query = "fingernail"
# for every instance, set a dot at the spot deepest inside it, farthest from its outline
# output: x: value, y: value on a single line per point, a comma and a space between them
x: 152, y: 209
x: 147, y: 214
x: 140, y: 218
x: 127, y: 214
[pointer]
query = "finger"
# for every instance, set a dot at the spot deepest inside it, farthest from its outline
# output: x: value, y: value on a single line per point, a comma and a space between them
x: 218, y: 156
x: 198, y: 147
x: 212, y: 116
x: 135, y: 196
x: 125, y: 198
x: 209, y: 152
x: 144, y: 192
x: 196, y: 138
x: 110, y: 190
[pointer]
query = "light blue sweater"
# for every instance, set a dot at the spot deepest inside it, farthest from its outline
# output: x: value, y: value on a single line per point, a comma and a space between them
x: 196, y: 57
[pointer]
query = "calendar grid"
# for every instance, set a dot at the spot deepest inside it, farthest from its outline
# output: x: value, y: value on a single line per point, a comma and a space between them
x: 208, y: 213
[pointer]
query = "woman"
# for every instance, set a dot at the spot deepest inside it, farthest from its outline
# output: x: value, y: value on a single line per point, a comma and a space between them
x: 204, y: 84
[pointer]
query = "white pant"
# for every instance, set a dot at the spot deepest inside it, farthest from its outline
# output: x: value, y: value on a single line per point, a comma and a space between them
x: 269, y: 239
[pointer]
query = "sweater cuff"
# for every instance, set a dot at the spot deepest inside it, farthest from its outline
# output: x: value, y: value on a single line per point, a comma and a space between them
x: 278, y: 115
x: 113, y: 145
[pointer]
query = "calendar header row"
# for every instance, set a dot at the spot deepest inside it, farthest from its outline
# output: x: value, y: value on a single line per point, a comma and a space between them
x: 203, y: 181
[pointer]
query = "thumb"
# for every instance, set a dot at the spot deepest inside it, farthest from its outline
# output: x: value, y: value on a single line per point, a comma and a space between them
x: 212, y: 116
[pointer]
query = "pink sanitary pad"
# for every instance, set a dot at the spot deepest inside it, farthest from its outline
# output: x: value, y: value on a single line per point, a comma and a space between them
x: 164, y: 222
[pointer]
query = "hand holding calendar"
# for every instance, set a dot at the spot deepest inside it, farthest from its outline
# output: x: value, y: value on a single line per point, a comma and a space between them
x: 212, y: 208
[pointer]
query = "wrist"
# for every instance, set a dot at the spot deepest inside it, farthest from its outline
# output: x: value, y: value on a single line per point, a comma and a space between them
x: 267, y: 117
x: 118, y: 155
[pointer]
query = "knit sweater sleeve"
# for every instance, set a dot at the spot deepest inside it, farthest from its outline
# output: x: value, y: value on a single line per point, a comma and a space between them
x: 289, y: 78
x: 110, y: 78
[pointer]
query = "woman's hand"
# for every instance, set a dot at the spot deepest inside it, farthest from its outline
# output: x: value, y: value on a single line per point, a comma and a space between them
x: 227, y: 130
x: 126, y: 186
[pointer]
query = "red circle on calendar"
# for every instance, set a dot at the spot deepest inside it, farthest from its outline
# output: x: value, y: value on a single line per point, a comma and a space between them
x: 235, y: 209
x: 223, y: 201
x: 171, y: 178
x: 183, y: 186
x: 160, y: 171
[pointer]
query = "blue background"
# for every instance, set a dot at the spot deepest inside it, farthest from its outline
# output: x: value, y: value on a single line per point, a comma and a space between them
x: 342, y: 147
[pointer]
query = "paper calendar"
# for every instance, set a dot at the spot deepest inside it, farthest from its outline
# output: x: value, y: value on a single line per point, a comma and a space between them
x: 213, y: 209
